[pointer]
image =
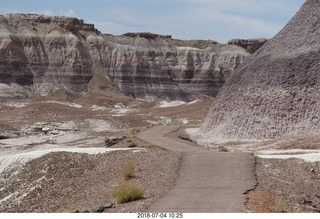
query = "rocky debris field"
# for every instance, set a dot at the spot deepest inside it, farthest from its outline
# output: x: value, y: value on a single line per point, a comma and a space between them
x: 286, y: 185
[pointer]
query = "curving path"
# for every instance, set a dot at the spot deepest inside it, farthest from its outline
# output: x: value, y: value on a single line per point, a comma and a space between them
x: 209, y: 182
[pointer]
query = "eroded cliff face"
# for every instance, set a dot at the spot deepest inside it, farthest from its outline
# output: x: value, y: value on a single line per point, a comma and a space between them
x: 41, y: 54
x: 275, y: 92
x: 170, y: 69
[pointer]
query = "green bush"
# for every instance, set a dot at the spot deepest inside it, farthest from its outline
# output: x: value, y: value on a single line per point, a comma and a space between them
x: 128, y: 170
x: 127, y: 192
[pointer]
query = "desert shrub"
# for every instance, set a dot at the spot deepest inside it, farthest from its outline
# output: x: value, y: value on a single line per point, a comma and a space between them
x: 135, y: 130
x: 128, y: 170
x: 133, y: 145
x: 128, y: 191
x: 223, y: 149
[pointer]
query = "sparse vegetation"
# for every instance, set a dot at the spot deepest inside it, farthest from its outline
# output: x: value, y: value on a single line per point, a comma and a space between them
x: 135, y: 130
x: 133, y: 145
x: 128, y: 170
x: 127, y: 192
x: 223, y: 149
x: 279, y: 204
x: 150, y: 146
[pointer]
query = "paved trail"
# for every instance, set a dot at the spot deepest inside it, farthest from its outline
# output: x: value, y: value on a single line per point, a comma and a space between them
x: 209, y: 182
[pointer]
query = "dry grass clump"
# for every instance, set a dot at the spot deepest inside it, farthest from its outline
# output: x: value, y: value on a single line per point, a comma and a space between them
x: 262, y: 201
x: 128, y: 191
x: 150, y: 146
x: 280, y: 205
x: 135, y: 130
x: 133, y: 145
x: 223, y: 149
x: 128, y: 170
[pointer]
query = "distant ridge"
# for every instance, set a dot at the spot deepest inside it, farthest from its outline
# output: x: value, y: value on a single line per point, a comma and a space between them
x: 41, y: 55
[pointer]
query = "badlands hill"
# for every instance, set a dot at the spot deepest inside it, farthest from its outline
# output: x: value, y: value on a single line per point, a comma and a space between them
x: 41, y: 55
x: 275, y: 92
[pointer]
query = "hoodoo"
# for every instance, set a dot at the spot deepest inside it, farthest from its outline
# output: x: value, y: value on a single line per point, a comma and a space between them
x: 275, y: 92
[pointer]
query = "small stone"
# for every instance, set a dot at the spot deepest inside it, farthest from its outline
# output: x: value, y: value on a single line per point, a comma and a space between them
x: 102, y: 208
x: 93, y: 211
x: 108, y: 205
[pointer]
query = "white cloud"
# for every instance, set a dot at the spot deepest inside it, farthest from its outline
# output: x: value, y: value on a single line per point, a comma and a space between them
x: 220, y: 20
x: 67, y: 13
x: 228, y: 25
x: 48, y: 12
x: 248, y: 6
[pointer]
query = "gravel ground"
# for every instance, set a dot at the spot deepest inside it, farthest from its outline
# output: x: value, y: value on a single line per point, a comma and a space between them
x: 66, y: 182
x: 286, y: 185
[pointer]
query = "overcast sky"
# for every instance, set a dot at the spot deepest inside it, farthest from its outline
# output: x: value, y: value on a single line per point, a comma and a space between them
x: 219, y: 20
